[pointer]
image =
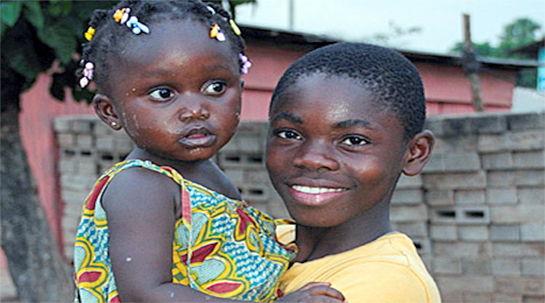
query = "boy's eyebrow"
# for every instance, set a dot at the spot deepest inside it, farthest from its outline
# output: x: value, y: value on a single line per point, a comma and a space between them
x: 353, y: 122
x: 286, y: 116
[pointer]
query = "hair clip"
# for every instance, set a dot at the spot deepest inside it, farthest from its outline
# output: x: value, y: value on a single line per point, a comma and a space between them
x: 89, y: 33
x: 246, y: 64
x: 122, y: 16
x: 211, y: 9
x: 234, y: 26
x: 87, y: 74
x: 215, y: 32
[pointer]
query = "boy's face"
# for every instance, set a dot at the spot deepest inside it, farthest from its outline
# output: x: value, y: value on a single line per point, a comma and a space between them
x: 332, y: 154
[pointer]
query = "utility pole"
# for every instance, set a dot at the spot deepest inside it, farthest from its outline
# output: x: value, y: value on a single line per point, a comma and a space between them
x: 291, y: 14
x: 471, y: 66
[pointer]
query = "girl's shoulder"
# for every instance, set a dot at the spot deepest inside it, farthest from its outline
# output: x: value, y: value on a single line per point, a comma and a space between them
x: 136, y: 183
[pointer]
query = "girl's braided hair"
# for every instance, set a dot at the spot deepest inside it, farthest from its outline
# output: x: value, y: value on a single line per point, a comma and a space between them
x: 109, y: 35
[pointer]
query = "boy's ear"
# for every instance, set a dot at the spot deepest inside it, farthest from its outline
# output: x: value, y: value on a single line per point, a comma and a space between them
x: 419, y: 150
x: 106, y: 111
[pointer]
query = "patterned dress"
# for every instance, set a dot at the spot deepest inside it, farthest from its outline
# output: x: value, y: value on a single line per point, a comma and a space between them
x: 221, y: 246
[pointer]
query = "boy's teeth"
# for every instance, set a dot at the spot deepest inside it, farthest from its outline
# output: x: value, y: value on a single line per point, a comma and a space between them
x: 315, y: 190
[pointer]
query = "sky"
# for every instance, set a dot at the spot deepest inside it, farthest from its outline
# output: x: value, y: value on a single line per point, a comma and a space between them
x: 440, y: 21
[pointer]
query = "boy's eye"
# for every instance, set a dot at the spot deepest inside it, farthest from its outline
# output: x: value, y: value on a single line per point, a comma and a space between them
x: 287, y: 134
x: 162, y: 94
x: 354, y: 141
x: 216, y: 88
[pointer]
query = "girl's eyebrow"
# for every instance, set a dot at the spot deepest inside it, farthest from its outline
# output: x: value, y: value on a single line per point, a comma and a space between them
x: 287, y: 116
x: 353, y: 122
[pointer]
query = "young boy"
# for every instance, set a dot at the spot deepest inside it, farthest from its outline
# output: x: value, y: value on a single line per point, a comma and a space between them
x: 346, y: 120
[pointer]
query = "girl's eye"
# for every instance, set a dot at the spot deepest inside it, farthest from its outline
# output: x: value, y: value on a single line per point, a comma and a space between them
x: 162, y: 94
x: 216, y: 88
x: 287, y: 134
x: 355, y: 141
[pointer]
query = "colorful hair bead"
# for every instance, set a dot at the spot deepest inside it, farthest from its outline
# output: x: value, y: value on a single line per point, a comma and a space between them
x: 215, y: 32
x: 122, y: 16
x: 246, y: 64
x: 87, y: 74
x: 89, y: 33
x: 235, y: 28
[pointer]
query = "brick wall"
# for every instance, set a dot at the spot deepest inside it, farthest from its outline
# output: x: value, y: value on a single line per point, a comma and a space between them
x: 476, y: 214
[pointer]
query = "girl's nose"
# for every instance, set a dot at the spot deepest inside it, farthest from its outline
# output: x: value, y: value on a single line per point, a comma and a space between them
x: 316, y: 156
x: 194, y: 111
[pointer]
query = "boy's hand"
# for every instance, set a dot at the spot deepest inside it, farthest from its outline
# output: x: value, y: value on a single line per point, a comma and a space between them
x: 314, y: 292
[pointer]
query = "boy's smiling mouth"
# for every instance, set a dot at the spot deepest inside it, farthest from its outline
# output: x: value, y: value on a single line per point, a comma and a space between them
x: 315, y: 195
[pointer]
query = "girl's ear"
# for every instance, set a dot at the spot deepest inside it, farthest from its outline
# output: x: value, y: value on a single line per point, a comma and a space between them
x: 419, y: 150
x: 106, y: 111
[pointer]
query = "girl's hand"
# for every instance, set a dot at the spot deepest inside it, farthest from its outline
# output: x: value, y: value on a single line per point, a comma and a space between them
x: 314, y: 292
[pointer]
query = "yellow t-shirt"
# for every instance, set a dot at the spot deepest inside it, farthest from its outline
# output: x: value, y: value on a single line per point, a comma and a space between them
x: 386, y: 270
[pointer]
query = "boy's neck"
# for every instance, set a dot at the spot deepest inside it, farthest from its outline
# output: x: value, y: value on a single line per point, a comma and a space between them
x: 315, y: 242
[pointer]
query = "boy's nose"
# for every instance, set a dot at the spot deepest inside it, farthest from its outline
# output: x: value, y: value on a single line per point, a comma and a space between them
x: 315, y: 156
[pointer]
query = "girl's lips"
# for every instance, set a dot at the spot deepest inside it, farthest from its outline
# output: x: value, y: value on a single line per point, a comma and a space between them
x: 315, y: 195
x: 197, y: 138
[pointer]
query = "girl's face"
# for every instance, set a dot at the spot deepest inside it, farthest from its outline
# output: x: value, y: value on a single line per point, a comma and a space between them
x: 177, y: 91
x: 331, y: 154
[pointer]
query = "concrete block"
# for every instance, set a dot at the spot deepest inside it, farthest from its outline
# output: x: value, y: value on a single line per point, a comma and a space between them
x: 412, y: 229
x: 471, y: 180
x: 105, y: 143
x: 526, y: 121
x: 533, y: 267
x: 515, y: 178
x: 524, y: 213
x: 518, y: 250
x: 500, y: 160
x: 236, y: 175
x: 531, y: 195
x: 458, y: 126
x: 522, y: 285
x: 453, y: 162
x: 461, y: 215
x: 469, y: 197
x: 408, y: 196
x: 467, y: 143
x: 506, y: 267
x: 501, y: 196
x: 83, y: 126
x: 506, y: 233
x: 62, y: 124
x: 447, y: 266
x: 439, y: 198
x: 443, y: 232
x: 508, y: 298
x: 84, y: 141
x: 256, y: 176
x: 473, y: 233
x: 422, y: 245
x: 476, y: 266
x: 488, y: 123
x: 67, y: 166
x: 529, y: 159
x: 409, y: 182
x: 467, y: 284
x: 462, y: 249
x: 533, y: 232
x: 408, y: 213
x: 66, y: 140
x: 478, y: 297
x: 523, y: 140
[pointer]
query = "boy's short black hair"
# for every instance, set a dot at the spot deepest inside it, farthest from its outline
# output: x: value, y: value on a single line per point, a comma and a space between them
x: 392, y: 79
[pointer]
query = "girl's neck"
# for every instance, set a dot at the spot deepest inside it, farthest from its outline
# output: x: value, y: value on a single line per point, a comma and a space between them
x: 315, y: 243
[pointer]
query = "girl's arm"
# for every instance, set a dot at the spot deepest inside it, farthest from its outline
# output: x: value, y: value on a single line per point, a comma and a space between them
x: 141, y: 207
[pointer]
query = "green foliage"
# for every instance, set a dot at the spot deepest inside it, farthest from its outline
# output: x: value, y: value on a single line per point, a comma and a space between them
x: 521, y: 32
x: 36, y: 34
